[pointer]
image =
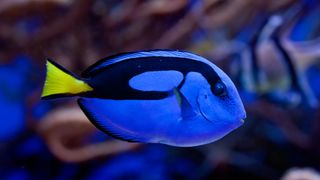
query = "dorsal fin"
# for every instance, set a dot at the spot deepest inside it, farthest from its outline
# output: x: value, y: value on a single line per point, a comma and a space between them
x: 139, y: 54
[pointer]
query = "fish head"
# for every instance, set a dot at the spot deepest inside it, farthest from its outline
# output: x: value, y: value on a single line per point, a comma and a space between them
x: 218, y: 109
x: 221, y: 106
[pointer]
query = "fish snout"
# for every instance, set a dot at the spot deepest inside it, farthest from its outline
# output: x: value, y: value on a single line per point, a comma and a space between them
x: 242, y: 118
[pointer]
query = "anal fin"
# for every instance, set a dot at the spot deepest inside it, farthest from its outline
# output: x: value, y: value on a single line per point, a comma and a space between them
x: 94, y: 109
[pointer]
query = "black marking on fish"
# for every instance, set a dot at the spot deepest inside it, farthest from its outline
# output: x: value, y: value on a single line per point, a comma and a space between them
x: 110, y: 59
x: 112, y: 81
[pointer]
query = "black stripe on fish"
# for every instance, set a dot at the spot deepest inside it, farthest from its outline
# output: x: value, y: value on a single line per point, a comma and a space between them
x: 111, y: 59
x: 112, y: 81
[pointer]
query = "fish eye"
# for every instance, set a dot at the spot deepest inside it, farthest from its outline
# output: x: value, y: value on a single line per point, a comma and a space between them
x: 219, y: 89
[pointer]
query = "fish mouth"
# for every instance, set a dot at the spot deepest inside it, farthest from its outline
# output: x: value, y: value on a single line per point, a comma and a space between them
x: 242, y: 118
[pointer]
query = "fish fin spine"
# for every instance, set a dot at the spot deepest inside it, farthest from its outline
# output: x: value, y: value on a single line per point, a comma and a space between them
x: 61, y: 82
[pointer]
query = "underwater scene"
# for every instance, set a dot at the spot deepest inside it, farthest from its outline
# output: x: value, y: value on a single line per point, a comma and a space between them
x: 159, y: 89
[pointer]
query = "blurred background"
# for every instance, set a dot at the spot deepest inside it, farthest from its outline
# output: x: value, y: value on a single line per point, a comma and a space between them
x: 270, y: 49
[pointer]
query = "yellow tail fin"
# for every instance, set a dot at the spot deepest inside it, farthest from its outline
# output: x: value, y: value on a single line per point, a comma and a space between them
x: 60, y: 82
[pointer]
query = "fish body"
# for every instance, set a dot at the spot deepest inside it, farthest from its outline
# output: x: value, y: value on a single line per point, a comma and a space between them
x: 158, y: 96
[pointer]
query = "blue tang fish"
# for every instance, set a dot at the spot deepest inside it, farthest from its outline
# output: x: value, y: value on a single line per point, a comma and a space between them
x: 158, y: 96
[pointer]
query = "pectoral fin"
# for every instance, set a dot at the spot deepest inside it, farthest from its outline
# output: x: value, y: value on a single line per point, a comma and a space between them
x: 187, y: 110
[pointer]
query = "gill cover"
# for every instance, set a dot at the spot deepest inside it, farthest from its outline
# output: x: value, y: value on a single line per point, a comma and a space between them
x: 209, y: 107
x: 60, y: 82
